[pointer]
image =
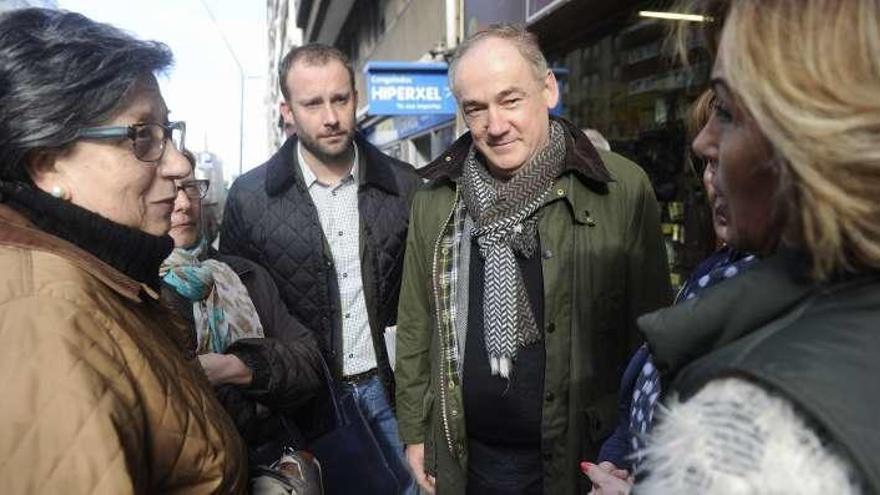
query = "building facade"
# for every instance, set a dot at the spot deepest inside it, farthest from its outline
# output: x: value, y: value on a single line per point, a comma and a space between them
x: 283, y: 35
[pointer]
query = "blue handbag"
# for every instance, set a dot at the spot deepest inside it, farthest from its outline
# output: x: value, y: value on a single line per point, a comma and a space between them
x: 350, y: 457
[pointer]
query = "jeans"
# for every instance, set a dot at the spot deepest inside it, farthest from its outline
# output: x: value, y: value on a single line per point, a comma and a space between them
x: 373, y: 403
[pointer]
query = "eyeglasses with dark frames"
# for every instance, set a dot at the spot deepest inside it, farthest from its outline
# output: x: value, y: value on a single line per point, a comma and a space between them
x: 194, y: 189
x: 147, y: 140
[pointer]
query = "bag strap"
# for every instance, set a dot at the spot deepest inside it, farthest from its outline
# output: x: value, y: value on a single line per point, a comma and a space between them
x: 331, y: 390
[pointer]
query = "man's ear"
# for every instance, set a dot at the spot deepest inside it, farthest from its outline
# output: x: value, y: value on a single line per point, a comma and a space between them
x: 286, y: 112
x: 550, y: 90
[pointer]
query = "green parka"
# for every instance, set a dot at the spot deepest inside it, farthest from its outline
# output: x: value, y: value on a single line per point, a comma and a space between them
x: 604, y: 264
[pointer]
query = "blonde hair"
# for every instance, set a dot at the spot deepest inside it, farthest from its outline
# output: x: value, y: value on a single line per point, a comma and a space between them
x: 808, y: 72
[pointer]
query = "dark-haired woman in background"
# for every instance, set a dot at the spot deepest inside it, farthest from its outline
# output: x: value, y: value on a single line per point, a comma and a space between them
x: 263, y: 363
x: 97, y: 395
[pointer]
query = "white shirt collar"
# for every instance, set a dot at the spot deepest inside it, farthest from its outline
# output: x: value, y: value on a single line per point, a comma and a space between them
x: 310, y: 178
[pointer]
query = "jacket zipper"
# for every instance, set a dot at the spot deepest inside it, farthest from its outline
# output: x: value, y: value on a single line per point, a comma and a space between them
x: 443, y: 385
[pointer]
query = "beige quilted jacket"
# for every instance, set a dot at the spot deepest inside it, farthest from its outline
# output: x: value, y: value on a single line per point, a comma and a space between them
x: 95, y: 396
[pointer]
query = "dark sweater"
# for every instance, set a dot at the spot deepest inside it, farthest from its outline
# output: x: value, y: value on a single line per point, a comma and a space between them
x: 135, y: 253
x: 503, y: 418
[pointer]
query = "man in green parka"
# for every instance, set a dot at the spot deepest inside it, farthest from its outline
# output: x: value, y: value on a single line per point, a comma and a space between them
x: 529, y: 256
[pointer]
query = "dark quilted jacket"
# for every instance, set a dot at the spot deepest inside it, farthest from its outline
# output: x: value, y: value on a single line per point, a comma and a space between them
x: 271, y: 219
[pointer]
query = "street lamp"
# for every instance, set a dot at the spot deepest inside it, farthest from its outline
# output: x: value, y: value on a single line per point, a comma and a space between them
x: 241, y: 79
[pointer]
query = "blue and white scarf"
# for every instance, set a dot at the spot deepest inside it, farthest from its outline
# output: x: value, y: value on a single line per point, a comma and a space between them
x: 725, y: 264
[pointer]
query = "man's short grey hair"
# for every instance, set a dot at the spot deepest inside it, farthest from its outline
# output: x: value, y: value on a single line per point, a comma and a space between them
x: 525, y: 41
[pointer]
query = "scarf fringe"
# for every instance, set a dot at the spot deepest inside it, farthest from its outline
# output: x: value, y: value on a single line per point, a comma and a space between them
x: 500, y: 366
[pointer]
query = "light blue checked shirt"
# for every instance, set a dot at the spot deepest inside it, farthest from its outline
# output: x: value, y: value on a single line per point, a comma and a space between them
x: 337, y: 207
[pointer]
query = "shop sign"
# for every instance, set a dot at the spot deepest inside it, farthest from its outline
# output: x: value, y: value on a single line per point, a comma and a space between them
x: 395, y: 88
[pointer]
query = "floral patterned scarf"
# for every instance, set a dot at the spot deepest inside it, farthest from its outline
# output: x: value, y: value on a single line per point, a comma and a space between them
x: 222, y: 309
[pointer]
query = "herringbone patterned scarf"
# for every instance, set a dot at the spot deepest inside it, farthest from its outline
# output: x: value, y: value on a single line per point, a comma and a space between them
x: 504, y: 224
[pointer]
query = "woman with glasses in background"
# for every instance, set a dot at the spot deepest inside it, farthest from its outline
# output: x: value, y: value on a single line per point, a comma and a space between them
x: 97, y: 394
x: 263, y: 363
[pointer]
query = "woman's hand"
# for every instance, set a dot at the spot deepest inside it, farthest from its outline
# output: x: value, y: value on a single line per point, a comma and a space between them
x: 225, y: 369
x: 607, y: 479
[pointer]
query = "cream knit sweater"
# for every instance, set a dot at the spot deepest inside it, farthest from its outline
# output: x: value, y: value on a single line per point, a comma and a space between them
x: 734, y: 437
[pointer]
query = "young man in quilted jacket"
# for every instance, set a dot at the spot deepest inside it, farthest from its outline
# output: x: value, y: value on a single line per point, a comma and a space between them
x: 327, y: 216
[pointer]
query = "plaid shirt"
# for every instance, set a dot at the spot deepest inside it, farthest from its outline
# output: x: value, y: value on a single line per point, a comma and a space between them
x: 446, y: 269
x: 337, y: 207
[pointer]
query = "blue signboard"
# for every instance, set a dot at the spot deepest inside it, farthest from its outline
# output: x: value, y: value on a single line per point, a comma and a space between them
x: 395, y: 88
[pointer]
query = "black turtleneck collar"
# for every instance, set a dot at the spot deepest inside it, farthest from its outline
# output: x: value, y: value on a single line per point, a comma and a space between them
x: 133, y: 252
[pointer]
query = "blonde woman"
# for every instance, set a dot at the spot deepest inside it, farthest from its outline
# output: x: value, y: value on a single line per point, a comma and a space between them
x: 773, y: 373
x: 622, y: 453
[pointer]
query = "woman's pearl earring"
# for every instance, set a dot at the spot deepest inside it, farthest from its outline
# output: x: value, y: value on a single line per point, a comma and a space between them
x: 58, y: 192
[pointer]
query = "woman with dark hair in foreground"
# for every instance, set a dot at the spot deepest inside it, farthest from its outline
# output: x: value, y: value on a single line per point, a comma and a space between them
x: 97, y: 395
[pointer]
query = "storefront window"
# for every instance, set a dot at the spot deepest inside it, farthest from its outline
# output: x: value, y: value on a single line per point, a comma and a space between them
x: 626, y: 86
x: 396, y: 150
x: 422, y: 150
x: 442, y: 139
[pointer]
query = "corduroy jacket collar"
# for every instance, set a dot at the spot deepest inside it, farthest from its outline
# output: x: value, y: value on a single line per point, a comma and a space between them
x: 581, y: 157
x: 679, y: 334
x: 282, y: 170
x: 17, y: 231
